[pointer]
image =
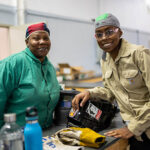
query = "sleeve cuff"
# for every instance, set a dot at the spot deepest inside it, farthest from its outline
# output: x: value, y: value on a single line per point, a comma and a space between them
x: 92, y: 95
x: 135, y: 128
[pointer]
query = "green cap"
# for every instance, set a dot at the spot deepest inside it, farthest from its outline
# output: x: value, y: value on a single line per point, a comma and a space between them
x: 107, y: 19
x: 102, y: 17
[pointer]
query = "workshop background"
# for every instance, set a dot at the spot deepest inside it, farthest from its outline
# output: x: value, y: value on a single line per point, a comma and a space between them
x: 71, y: 23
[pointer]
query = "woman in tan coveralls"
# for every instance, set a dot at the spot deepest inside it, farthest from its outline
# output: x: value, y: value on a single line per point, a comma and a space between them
x: 126, y: 79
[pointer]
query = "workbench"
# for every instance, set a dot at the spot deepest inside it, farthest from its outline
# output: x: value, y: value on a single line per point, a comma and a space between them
x: 111, y: 142
x: 83, y: 84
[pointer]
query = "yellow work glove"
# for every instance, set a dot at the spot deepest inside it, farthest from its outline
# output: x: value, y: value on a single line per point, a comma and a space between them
x: 80, y: 136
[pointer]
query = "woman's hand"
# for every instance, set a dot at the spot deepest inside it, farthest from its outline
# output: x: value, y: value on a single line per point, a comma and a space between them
x: 124, y: 133
x: 84, y: 96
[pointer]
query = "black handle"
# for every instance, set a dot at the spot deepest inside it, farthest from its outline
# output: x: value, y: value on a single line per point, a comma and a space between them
x: 31, y: 111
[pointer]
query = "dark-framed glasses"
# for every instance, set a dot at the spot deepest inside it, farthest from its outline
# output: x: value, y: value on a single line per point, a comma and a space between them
x: 107, y: 33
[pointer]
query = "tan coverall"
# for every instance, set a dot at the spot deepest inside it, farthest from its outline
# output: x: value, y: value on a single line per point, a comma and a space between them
x: 127, y: 79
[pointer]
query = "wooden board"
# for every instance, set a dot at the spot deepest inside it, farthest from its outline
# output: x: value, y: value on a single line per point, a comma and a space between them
x: 119, y: 145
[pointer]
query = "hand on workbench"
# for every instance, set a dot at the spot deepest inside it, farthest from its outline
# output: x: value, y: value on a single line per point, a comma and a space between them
x: 84, y: 96
x: 124, y: 133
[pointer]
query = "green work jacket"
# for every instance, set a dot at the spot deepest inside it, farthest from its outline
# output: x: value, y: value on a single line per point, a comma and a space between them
x: 24, y: 82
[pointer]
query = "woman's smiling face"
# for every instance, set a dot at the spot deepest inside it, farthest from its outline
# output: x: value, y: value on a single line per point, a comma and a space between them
x: 39, y: 44
x: 108, y: 38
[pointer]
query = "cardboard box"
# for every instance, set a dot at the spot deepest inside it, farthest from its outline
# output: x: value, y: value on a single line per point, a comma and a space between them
x: 86, y: 74
x: 67, y: 69
x: 73, y: 73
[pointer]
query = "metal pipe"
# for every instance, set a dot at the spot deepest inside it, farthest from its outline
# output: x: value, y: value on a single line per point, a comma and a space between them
x: 20, y: 12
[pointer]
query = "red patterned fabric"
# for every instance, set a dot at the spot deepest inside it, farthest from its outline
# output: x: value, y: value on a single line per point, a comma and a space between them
x: 37, y: 27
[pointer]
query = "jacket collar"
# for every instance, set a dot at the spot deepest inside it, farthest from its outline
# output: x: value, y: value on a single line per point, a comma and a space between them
x: 124, y: 51
x: 29, y: 53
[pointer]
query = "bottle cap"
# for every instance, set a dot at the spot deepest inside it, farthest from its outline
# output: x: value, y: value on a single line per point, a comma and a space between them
x: 10, y: 117
x: 31, y: 113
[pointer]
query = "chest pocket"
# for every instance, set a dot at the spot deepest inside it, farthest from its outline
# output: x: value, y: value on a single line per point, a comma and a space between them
x: 132, y: 79
x: 130, y: 74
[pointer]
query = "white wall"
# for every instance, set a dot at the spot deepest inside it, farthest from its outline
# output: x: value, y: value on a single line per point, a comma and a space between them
x: 132, y: 14
x: 9, y: 2
x: 81, y: 9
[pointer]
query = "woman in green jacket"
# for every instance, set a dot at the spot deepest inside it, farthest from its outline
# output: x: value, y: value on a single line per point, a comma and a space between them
x: 29, y: 79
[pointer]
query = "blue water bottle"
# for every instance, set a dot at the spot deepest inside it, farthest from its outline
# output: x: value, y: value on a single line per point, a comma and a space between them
x: 32, y: 130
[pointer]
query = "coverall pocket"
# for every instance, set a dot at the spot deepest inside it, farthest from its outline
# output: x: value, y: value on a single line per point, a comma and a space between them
x: 132, y: 79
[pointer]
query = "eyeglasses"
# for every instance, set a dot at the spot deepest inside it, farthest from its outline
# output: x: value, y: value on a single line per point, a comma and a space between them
x: 108, y: 33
